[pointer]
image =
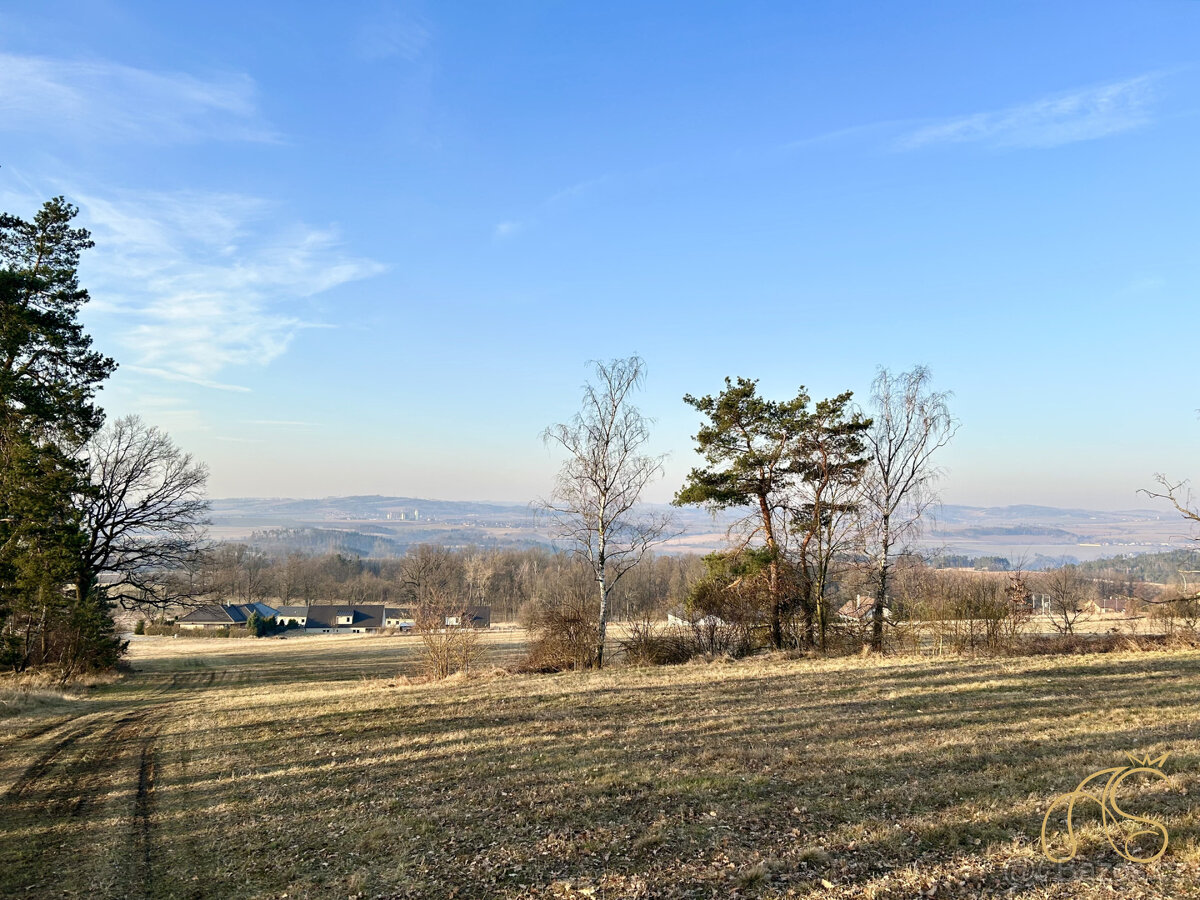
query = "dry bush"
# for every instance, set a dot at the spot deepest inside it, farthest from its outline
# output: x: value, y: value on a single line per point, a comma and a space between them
x: 961, y: 612
x: 729, y: 609
x: 564, y: 633
x: 175, y: 631
x: 711, y: 636
x: 448, y: 643
x: 652, y: 644
x: 1177, y: 613
x: 563, y: 621
x: 853, y: 636
x: 1067, y: 644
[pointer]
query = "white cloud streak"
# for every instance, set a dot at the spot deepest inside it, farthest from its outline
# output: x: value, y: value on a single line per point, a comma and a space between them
x: 393, y: 33
x: 202, y: 283
x: 106, y: 101
x: 505, y: 230
x: 1081, y: 115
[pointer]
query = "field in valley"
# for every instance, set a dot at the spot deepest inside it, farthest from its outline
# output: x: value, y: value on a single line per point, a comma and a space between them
x: 314, y: 767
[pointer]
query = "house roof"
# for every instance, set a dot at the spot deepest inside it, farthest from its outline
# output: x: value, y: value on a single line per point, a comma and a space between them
x: 860, y: 608
x: 325, y: 616
x: 227, y: 614
x: 292, y: 611
x: 209, y: 614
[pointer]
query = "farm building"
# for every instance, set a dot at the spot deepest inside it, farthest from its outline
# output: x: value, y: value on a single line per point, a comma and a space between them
x: 367, y: 618
x: 860, y: 609
x: 292, y: 614
x: 220, y: 615
x: 341, y: 618
x: 681, y: 616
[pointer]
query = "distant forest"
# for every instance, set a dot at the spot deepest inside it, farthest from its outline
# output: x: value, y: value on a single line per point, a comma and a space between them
x: 1171, y: 567
x: 316, y: 541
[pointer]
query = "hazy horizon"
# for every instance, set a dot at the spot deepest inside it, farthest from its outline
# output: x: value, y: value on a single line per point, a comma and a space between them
x: 502, y: 501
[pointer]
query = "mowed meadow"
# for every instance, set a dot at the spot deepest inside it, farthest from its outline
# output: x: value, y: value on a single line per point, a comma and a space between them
x: 318, y: 767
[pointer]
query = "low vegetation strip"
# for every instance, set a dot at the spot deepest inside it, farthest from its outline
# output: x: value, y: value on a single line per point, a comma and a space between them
x: 259, y: 769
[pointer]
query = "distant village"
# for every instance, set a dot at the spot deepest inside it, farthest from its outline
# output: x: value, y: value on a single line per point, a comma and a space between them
x: 326, y: 618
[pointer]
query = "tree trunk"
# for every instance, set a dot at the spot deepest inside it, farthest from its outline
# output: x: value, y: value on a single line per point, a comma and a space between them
x: 880, y: 605
x: 602, y: 630
x: 776, y: 607
x: 885, y: 550
x: 601, y: 573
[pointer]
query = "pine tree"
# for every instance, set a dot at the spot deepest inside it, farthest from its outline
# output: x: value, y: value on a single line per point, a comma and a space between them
x: 48, y: 378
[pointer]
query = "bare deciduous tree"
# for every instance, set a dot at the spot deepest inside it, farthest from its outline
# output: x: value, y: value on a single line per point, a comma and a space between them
x: 910, y: 422
x: 1179, y: 495
x: 1069, y: 592
x: 144, y: 515
x: 596, y: 494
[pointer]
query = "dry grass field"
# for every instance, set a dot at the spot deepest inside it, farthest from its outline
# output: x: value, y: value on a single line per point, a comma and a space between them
x: 313, y: 767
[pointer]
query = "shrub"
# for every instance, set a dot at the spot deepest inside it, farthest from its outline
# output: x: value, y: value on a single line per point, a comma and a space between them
x: 564, y: 627
x: 650, y: 644
x: 446, y: 647
x: 958, y: 612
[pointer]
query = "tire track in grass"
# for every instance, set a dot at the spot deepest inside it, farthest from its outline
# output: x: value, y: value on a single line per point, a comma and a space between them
x: 36, y: 771
x: 32, y: 734
x: 87, y: 775
x: 56, y: 819
x: 142, y: 850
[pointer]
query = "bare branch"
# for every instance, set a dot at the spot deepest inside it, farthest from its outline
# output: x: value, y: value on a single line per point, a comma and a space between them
x: 144, y: 515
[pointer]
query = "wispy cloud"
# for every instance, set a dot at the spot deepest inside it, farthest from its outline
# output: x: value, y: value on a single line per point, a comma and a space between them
x: 506, y: 229
x: 572, y: 193
x: 393, y: 32
x: 842, y: 134
x: 1080, y: 115
x: 168, y: 375
x: 100, y: 100
x: 202, y: 283
x: 575, y: 191
x: 171, y: 413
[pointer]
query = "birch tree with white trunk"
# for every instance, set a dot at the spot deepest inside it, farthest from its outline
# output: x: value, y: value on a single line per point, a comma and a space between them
x: 596, y: 496
x: 910, y: 423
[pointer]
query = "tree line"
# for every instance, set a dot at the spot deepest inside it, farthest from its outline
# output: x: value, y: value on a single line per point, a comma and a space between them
x: 511, y: 582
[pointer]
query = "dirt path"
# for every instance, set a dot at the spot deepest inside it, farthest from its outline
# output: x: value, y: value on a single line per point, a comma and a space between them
x: 88, y: 793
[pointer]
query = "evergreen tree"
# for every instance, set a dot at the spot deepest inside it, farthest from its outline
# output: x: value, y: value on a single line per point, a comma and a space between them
x: 747, y: 443
x: 49, y: 375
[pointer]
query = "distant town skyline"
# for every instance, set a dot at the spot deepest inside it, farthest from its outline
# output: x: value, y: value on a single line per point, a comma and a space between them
x: 370, y: 249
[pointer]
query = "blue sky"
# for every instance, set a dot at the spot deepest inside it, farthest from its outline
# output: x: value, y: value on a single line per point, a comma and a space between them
x: 370, y: 248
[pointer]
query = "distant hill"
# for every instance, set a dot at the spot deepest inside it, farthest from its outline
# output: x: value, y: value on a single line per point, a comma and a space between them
x: 377, y: 525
